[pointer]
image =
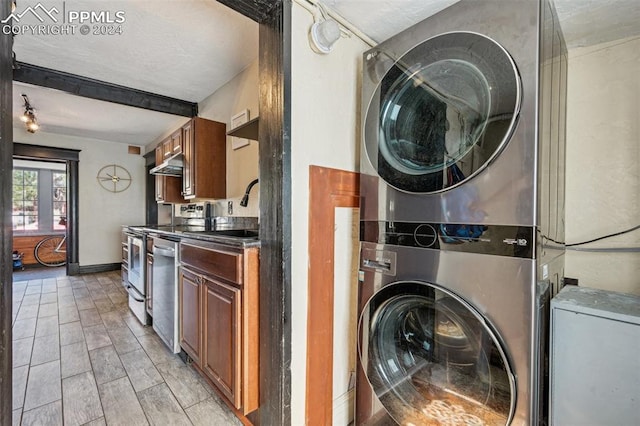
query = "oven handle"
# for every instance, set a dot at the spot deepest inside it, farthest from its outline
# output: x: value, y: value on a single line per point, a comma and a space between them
x: 129, y: 288
x: 164, y: 251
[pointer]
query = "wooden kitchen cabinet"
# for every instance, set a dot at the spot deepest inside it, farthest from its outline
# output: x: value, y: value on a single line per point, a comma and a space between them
x: 203, y: 145
x: 168, y: 188
x: 204, y: 150
x: 190, y: 318
x: 176, y: 142
x: 226, y: 282
x: 221, y: 311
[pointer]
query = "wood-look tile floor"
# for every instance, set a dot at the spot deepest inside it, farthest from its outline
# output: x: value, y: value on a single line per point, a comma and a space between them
x: 80, y: 357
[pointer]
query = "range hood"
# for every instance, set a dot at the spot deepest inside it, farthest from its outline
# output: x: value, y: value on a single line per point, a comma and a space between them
x: 172, y: 166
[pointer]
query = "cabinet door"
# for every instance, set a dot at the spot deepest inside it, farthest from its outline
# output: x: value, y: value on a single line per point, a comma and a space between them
x: 167, y: 148
x: 176, y: 142
x: 188, y: 172
x: 159, y: 154
x: 172, y: 187
x: 189, y: 295
x: 222, y: 333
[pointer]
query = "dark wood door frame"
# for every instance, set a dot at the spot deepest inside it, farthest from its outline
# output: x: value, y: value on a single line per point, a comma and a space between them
x: 6, y: 227
x: 274, y: 18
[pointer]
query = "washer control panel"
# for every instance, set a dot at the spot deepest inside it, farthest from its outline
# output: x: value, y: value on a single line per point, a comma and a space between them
x: 501, y: 240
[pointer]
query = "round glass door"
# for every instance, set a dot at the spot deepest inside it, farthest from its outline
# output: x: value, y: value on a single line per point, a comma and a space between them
x: 431, y: 358
x: 446, y: 109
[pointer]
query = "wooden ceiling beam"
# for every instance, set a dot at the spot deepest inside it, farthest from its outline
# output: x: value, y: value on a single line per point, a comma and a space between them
x: 102, y: 90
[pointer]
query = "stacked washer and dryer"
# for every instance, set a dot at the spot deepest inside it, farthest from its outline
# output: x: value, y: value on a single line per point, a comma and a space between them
x: 462, y: 216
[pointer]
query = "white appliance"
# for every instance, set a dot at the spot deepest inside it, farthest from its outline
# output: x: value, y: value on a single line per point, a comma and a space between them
x: 595, y: 358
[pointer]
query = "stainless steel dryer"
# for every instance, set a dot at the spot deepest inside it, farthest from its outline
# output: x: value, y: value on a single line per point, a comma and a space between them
x: 463, y: 119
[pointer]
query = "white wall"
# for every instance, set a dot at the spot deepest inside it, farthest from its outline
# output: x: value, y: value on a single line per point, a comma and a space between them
x: 238, y: 94
x: 101, y: 213
x: 603, y: 163
x: 324, y: 122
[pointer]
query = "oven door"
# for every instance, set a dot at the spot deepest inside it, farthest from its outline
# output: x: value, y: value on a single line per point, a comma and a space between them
x: 137, y: 263
x: 431, y: 358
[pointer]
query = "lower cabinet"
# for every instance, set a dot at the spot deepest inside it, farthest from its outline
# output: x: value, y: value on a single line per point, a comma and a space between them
x: 189, y: 294
x: 222, y: 333
x: 219, y: 318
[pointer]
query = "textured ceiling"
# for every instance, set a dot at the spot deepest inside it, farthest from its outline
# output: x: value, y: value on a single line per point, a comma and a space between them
x: 183, y: 49
x: 187, y: 49
x: 584, y: 22
x: 61, y: 113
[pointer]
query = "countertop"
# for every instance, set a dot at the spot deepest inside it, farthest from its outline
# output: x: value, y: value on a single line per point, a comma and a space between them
x: 196, y: 233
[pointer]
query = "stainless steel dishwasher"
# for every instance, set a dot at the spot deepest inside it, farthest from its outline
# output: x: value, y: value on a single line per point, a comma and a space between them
x: 165, y: 291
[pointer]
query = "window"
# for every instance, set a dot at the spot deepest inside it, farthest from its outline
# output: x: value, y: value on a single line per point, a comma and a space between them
x: 59, y: 200
x: 39, y: 197
x: 25, y: 199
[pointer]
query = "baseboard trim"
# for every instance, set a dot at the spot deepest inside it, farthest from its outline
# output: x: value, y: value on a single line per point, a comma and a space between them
x: 73, y: 269
x: 93, y: 269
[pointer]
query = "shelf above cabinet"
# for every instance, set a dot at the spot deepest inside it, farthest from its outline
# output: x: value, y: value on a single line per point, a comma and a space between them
x: 248, y: 130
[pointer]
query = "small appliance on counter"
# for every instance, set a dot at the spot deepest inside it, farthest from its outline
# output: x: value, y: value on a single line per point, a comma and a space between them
x: 198, y: 217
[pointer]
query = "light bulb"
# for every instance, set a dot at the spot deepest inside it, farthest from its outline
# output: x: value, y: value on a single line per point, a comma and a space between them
x: 323, y: 35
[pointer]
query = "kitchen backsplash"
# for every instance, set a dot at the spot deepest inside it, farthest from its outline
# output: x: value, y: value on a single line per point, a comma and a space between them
x: 221, y: 207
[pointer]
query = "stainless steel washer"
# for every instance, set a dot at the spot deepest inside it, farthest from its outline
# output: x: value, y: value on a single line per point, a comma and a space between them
x: 462, y: 215
x: 448, y: 337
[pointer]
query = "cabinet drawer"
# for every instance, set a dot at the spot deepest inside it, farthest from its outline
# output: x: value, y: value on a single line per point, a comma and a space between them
x: 213, y: 262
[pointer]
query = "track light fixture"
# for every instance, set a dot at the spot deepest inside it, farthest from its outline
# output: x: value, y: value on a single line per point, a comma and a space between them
x: 324, y: 32
x: 29, y: 117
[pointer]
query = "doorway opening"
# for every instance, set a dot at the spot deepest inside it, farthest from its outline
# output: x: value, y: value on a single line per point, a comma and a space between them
x: 45, y: 204
x: 39, y: 217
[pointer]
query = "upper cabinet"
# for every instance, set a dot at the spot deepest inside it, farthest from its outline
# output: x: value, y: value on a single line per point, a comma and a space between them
x: 168, y: 188
x: 205, y: 160
x: 202, y: 144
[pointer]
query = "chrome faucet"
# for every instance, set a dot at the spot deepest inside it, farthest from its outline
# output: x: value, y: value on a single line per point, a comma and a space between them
x: 245, y: 198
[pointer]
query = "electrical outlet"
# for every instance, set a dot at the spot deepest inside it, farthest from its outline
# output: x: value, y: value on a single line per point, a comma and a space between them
x: 230, y: 207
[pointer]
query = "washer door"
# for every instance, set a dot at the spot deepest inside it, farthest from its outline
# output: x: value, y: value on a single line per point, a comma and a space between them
x: 442, y: 112
x: 432, y: 359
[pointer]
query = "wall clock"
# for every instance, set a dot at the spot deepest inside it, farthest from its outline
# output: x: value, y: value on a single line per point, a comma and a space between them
x: 114, y: 178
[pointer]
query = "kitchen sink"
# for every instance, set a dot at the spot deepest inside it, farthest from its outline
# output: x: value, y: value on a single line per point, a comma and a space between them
x: 231, y: 233
x: 240, y: 233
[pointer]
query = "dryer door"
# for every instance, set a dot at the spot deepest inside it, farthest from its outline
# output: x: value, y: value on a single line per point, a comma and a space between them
x: 442, y: 112
x: 431, y: 358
